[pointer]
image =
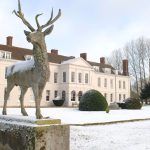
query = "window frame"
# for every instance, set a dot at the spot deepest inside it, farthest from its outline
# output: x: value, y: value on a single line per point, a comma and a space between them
x: 64, y: 77
x: 73, y: 76
x: 47, y: 95
x: 86, y: 78
x: 105, y: 82
x: 79, y: 77
x: 55, y: 93
x: 99, y: 82
x: 55, y: 77
x: 73, y: 95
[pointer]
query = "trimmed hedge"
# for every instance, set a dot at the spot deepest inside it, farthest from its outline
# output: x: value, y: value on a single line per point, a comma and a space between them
x: 131, y: 103
x: 122, y: 105
x: 93, y: 100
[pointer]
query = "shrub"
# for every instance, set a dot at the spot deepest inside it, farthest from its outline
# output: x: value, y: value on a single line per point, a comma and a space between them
x: 58, y: 101
x: 122, y: 105
x: 133, y: 103
x: 107, y: 110
x: 93, y: 100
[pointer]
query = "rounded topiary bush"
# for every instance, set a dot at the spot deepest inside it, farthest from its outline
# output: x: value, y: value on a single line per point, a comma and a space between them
x: 133, y: 103
x: 93, y: 100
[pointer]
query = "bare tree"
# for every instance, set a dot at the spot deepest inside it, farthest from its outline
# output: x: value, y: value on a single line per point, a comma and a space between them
x: 115, y: 59
x: 148, y: 56
x: 138, y: 54
x: 141, y: 49
x: 131, y: 54
x: 137, y: 51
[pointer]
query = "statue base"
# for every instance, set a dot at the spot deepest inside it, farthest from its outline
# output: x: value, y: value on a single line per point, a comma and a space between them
x: 25, y: 133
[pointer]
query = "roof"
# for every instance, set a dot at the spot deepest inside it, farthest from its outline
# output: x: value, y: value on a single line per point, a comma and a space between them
x: 18, y: 53
x: 58, y: 58
x: 100, y: 65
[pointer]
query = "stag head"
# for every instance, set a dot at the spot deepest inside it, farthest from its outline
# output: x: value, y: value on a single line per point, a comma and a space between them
x: 37, y: 34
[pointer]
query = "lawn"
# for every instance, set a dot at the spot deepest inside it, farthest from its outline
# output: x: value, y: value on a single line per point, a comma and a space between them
x: 74, y: 116
x: 118, y: 136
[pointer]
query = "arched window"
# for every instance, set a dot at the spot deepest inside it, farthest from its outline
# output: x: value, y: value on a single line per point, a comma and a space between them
x: 79, y: 95
x: 73, y: 96
x: 63, y: 95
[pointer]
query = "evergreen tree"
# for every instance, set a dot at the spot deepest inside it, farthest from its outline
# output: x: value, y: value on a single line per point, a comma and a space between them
x: 145, y: 92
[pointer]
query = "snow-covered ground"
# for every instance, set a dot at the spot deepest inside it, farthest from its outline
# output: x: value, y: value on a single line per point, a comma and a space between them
x: 120, y: 136
x: 74, y: 116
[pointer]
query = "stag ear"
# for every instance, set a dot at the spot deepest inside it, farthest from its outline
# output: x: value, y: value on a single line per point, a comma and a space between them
x: 48, y: 30
x: 26, y: 32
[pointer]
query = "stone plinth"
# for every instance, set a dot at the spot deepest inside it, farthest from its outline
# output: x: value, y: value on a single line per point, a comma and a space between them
x: 23, y: 133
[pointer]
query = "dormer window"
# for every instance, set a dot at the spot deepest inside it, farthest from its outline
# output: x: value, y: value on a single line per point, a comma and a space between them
x: 8, y: 55
x: 2, y: 54
x: 107, y: 70
x: 28, y: 57
x: 5, y: 55
x: 96, y: 68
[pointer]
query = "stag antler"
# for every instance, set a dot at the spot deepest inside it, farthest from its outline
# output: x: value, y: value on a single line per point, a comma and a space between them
x: 21, y: 16
x: 50, y: 21
x: 37, y: 22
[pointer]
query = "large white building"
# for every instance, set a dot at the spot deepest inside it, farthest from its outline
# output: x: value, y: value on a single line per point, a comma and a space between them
x: 70, y: 77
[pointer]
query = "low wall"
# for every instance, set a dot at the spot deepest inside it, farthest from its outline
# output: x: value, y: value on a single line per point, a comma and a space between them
x: 31, y: 134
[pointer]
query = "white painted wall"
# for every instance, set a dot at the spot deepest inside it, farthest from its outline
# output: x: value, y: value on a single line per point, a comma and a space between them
x: 77, y: 65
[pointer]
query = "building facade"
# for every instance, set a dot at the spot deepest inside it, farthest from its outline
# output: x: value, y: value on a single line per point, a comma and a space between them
x: 70, y: 77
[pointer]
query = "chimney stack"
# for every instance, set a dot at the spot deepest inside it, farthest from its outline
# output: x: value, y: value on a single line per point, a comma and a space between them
x: 102, y: 60
x: 9, y: 41
x: 83, y: 55
x: 125, y: 67
x: 54, y: 51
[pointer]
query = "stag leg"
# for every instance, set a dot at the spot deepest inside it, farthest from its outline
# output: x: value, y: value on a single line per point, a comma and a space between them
x: 41, y: 88
x: 23, y: 91
x: 6, y: 96
x: 37, y: 101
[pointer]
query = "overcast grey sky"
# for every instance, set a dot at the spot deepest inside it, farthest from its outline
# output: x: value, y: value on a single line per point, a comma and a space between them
x: 93, y: 26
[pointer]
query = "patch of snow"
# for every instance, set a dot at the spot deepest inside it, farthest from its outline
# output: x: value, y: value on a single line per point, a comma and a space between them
x: 74, y: 116
x: 121, y: 136
x: 20, y: 66
x: 17, y: 118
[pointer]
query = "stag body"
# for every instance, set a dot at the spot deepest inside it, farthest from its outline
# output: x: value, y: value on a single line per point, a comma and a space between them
x: 36, y: 75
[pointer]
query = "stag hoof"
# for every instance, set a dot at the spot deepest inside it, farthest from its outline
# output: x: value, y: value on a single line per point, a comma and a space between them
x: 4, y: 112
x: 24, y: 113
x: 46, y: 117
x: 39, y: 116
